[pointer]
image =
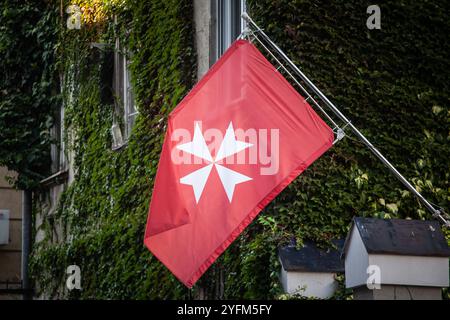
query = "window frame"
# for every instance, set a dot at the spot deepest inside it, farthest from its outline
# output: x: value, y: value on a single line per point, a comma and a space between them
x: 228, y: 24
x: 125, y: 110
x: 57, y: 148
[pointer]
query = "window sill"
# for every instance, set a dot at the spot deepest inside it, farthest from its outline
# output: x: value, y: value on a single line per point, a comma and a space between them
x: 55, y: 179
x: 119, y: 147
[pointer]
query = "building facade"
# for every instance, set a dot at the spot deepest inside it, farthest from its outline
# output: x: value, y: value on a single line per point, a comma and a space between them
x: 10, y: 238
x: 216, y: 24
x: 128, y: 66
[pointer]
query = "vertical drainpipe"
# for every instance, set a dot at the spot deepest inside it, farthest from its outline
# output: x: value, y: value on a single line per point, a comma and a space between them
x: 26, y: 241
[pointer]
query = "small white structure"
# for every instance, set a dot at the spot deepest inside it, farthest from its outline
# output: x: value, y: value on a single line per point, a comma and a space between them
x: 310, y: 271
x: 396, y: 259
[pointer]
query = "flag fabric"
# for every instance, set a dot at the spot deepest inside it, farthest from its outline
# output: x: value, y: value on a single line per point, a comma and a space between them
x: 232, y: 145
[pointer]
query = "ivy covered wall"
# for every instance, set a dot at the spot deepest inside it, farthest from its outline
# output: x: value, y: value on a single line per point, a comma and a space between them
x: 392, y: 83
x: 28, y: 82
x: 101, y: 216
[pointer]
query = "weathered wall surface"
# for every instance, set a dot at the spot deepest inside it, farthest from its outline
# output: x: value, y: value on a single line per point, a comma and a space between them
x: 10, y: 254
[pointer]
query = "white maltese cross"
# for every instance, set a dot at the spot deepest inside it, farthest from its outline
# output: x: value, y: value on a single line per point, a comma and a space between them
x: 228, y: 147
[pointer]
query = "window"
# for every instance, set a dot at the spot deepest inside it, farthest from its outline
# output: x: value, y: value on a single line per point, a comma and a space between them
x: 228, y: 23
x: 59, y: 161
x: 58, y: 156
x: 124, y: 105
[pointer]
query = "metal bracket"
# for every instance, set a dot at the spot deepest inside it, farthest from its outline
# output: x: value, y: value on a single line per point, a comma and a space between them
x: 246, y: 33
x: 441, y: 215
x: 340, y: 134
x: 271, y: 46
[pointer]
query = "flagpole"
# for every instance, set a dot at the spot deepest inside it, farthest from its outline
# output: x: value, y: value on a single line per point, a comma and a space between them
x: 437, y: 213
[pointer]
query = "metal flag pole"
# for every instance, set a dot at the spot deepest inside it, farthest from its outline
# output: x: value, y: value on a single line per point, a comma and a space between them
x: 437, y: 213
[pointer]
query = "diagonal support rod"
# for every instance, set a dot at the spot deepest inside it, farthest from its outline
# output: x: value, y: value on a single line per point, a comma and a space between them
x: 437, y: 213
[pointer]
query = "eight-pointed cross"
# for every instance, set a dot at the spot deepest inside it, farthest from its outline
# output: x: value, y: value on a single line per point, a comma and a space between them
x: 228, y: 147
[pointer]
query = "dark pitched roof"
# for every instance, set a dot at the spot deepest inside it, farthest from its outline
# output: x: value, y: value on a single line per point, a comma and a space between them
x: 312, y: 259
x: 401, y: 237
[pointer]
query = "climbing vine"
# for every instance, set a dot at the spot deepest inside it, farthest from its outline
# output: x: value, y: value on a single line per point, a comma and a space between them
x: 391, y: 82
x: 28, y: 88
x: 101, y: 216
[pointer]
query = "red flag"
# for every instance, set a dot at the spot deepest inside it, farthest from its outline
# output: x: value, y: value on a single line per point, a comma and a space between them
x: 235, y: 141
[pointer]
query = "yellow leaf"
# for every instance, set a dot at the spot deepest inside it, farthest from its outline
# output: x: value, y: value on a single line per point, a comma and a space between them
x: 392, y: 207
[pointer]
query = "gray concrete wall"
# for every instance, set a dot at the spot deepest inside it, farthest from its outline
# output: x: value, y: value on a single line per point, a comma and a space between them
x: 391, y: 292
x: 203, y: 28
